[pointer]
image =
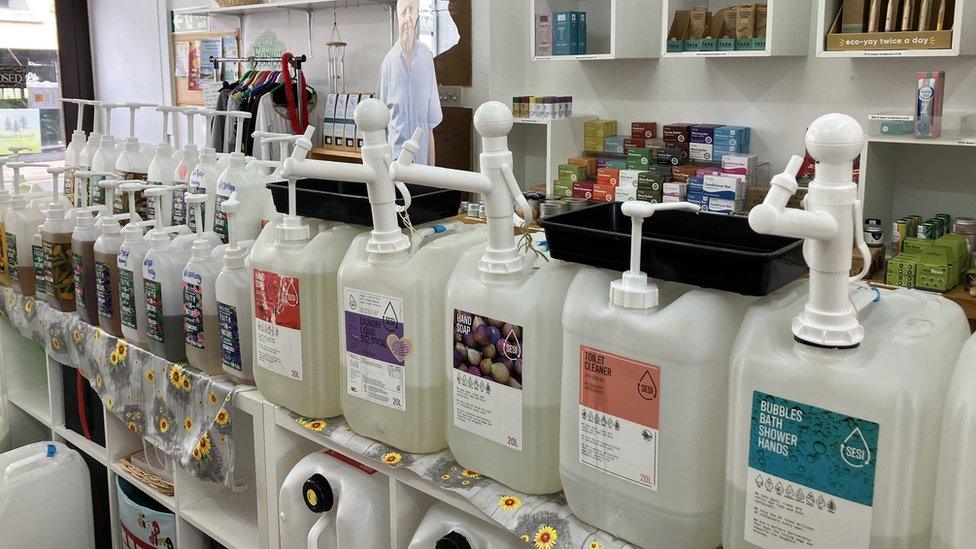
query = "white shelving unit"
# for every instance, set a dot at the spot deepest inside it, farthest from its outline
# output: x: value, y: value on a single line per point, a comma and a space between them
x: 266, y: 7
x: 616, y: 29
x: 787, y: 29
x: 540, y: 146
x: 963, y: 34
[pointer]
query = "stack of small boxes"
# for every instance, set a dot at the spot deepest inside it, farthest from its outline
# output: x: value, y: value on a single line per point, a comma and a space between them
x: 547, y: 107
x: 933, y: 260
x: 568, y: 33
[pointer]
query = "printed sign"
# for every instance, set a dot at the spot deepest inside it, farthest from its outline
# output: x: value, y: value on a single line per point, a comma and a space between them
x: 20, y: 128
x: 13, y: 76
x: 278, y: 324
x: 187, y: 23
x: 376, y: 348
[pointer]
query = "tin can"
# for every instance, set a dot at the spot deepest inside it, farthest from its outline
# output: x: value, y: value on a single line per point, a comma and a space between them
x: 927, y: 231
x: 946, y: 222
x: 873, y: 235
x: 966, y: 226
x: 899, y: 232
x: 915, y: 221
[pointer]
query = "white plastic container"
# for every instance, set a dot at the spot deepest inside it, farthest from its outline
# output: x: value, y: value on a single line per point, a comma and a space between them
x: 329, y: 501
x: 83, y: 240
x: 234, y: 312
x: 162, y: 168
x: 834, y: 422
x: 296, y: 314
x: 200, y: 322
x: 107, y: 274
x: 250, y: 190
x: 21, y: 223
x: 132, y: 302
x: 73, y: 152
x: 445, y: 527
x: 44, y: 484
x: 4, y: 208
x: 204, y: 178
x: 184, y: 169
x: 56, y: 251
x: 618, y: 474
x: 133, y: 162
x: 105, y: 158
x: 502, y: 417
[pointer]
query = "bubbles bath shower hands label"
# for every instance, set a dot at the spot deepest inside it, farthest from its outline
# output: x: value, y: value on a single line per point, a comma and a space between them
x: 487, y: 378
x: 810, y: 479
x: 155, y: 326
x: 230, y: 344
x: 278, y: 324
x: 193, y: 310
x: 127, y: 299
x: 376, y: 348
x: 103, y: 290
x: 619, y: 411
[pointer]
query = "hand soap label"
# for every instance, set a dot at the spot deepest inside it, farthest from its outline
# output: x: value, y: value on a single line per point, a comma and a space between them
x: 487, y: 378
x: 619, y: 416
x: 810, y: 477
x: 127, y: 299
x: 278, y: 324
x: 154, y: 311
x: 103, y: 290
x: 230, y: 344
x: 179, y: 207
x: 376, y: 349
x: 193, y: 310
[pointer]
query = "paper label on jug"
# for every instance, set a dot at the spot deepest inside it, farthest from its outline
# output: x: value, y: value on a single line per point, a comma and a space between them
x: 810, y: 477
x: 127, y: 299
x: 376, y: 349
x: 619, y: 416
x: 12, y: 265
x: 487, y: 378
x: 277, y: 324
x: 37, y: 254
x: 224, y: 190
x: 179, y: 207
x: 103, y: 290
x: 230, y: 343
x: 154, y: 311
x: 58, y: 270
x: 81, y: 298
x: 193, y: 312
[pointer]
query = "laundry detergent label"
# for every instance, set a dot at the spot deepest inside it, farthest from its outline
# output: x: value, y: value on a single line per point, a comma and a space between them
x: 127, y: 299
x: 81, y: 298
x: 230, y: 343
x: 58, y: 270
x: 193, y: 311
x: 224, y: 190
x: 619, y: 416
x: 37, y: 254
x: 810, y: 477
x: 278, y: 324
x: 12, y: 264
x: 179, y: 207
x: 154, y: 311
x: 376, y: 348
x: 151, y: 204
x: 103, y: 290
x: 487, y: 378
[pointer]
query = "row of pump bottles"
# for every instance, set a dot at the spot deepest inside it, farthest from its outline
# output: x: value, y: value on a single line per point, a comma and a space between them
x: 825, y: 430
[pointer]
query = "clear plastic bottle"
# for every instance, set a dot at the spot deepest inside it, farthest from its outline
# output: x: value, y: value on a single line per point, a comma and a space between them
x: 106, y: 253
x: 234, y: 312
x: 504, y: 361
x: 446, y: 527
x: 56, y: 251
x: 618, y: 474
x: 836, y: 395
x: 200, y: 321
x: 21, y: 223
x: 326, y: 500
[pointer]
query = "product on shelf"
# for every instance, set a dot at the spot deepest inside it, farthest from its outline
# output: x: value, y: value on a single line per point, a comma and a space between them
x: 105, y: 158
x: 866, y: 25
x: 56, y: 250
x: 106, y: 252
x: 203, y: 179
x: 569, y: 33
x: 543, y: 34
x: 133, y: 161
x: 929, y: 96
x: 502, y: 302
x: 542, y: 108
x: 737, y: 27
x: 801, y: 391
x: 132, y: 303
x: 189, y: 157
x: 447, y: 527
x: 200, y: 322
x: 21, y: 223
x: 73, y: 152
x: 249, y: 188
x: 233, y: 295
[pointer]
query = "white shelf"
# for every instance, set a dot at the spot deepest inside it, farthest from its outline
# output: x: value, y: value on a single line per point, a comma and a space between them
x: 96, y: 452
x: 963, y: 37
x: 303, y: 5
x: 168, y: 502
x: 34, y: 401
x: 787, y: 29
x: 227, y: 517
x: 616, y: 29
x: 951, y: 139
x: 537, y: 155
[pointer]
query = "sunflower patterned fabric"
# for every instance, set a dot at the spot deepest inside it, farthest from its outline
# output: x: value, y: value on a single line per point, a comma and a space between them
x: 184, y: 412
x: 543, y: 522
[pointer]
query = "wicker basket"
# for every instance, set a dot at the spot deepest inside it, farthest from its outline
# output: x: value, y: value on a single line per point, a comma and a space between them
x: 153, y: 481
x: 235, y: 3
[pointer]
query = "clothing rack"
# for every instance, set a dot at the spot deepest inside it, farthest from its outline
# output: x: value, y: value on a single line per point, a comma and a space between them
x: 296, y: 63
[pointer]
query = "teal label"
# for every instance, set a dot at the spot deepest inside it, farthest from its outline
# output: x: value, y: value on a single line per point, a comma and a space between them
x: 103, y: 289
x: 193, y: 314
x: 81, y: 298
x: 820, y: 449
x: 37, y: 254
x: 127, y: 299
x: 12, y: 264
x: 154, y: 311
x: 220, y: 219
x: 179, y: 207
x: 230, y: 344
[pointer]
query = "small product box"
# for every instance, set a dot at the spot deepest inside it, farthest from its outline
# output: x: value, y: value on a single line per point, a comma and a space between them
x: 604, y: 193
x: 638, y: 159
x: 600, y: 128
x: 635, y: 143
x: 572, y: 172
x: 724, y: 187
x: 681, y: 174
x: 608, y: 176
x: 670, y: 157
x: 679, y: 190
x: 589, y: 162
x: 678, y: 32
x: 649, y: 196
x: 733, y: 136
x: 339, y: 127
x: 593, y: 144
x: 721, y: 206
x: 700, y: 151
x: 629, y: 178
x: 664, y: 171
x: 677, y: 135
x: 564, y: 33
x: 653, y: 182
x: 583, y: 189
x: 704, y: 133
x: 740, y: 164
x: 702, y: 172
x: 669, y: 198
x: 885, y: 124
x: 581, y: 33
x: 614, y: 144
x: 543, y: 34
x: 643, y: 130
x: 562, y: 189
x: 328, y: 124
x: 624, y: 193
x: 930, y: 94
x: 615, y: 163
x: 350, y: 126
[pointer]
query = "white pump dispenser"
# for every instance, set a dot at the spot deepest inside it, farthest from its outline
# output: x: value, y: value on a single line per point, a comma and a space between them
x: 94, y: 138
x: 184, y: 169
x: 21, y: 224
x: 106, y: 251
x: 255, y: 168
x: 204, y: 178
x: 233, y: 294
x: 83, y: 239
x: 501, y: 311
x: 4, y: 207
x: 199, y: 296
x: 105, y: 157
x: 73, y: 152
x: 251, y: 193
x: 56, y: 250
x: 162, y: 168
x: 392, y: 384
x: 132, y: 252
x: 133, y: 162
x: 840, y: 393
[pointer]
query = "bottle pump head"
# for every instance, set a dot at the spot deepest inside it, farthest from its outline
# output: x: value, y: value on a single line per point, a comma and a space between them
x: 234, y: 253
x: 160, y: 236
x: 110, y: 185
x: 19, y: 201
x: 55, y: 209
x: 130, y: 188
x: 633, y: 291
x: 831, y: 226
x: 263, y: 141
x: 133, y: 107
x: 108, y: 108
x: 373, y: 116
x: 207, y: 152
x: 111, y: 224
x: 201, y: 247
x: 79, y: 132
x: 241, y: 116
x: 189, y: 113
x: 165, y: 146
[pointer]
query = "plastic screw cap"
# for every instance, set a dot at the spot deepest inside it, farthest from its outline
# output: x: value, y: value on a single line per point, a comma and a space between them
x: 493, y: 119
x: 452, y: 540
x: 372, y: 115
x: 317, y: 494
x: 835, y: 139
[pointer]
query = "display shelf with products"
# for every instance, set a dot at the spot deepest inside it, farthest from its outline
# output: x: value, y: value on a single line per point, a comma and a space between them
x: 266, y: 7
x: 540, y: 145
x: 786, y: 23
x: 615, y: 29
x: 958, y: 38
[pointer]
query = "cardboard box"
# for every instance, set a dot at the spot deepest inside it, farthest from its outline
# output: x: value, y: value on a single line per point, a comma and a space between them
x: 614, y: 144
x: 675, y: 189
x: 624, y: 193
x: 350, y: 126
x: 854, y: 16
x: 615, y: 163
x: 589, y: 162
x: 677, y: 135
x: 664, y: 171
x: 700, y: 151
x: 583, y: 189
x: 604, y: 193
x: 649, y: 196
x: 600, y: 128
x: 564, y: 33
x: 678, y: 32
x: 572, y: 173
x: 629, y: 178
x: 608, y: 176
x: 740, y: 164
x: 669, y: 156
x: 593, y: 144
x: 633, y: 143
x: 638, y: 159
x: 543, y: 34
x: 760, y: 31
x: 328, y: 124
x: 339, y: 127
x: 745, y: 24
x: 581, y: 44
x: 643, y: 130
x: 704, y: 133
x: 925, y: 35
x: 681, y: 174
x: 562, y: 189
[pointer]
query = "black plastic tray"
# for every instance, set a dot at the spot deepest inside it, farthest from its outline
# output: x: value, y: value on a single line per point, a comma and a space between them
x: 349, y: 203
x: 707, y: 250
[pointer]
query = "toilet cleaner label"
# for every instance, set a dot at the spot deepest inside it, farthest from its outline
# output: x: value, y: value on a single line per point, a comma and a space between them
x: 487, y: 378
x: 278, y: 324
x: 230, y: 343
x: 811, y: 473
x: 619, y: 416
x: 376, y: 348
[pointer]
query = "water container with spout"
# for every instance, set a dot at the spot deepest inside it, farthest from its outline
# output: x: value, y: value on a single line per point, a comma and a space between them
x: 56, y: 251
x: 233, y: 295
x: 200, y: 322
x: 445, y: 527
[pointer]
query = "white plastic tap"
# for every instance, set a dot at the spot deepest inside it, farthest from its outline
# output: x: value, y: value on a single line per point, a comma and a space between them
x: 831, y: 224
x: 133, y: 107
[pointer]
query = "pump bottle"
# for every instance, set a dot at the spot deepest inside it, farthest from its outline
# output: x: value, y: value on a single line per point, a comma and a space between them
x: 4, y: 208
x: 162, y: 168
x: 204, y: 178
x: 184, y: 168
x: 106, y: 253
x: 105, y: 157
x: 201, y: 325
x: 83, y: 239
x: 133, y: 162
x: 233, y: 295
x: 21, y: 223
x: 73, y: 152
x: 250, y: 192
x: 56, y: 244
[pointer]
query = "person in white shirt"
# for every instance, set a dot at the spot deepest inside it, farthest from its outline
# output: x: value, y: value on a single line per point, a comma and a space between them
x: 408, y: 86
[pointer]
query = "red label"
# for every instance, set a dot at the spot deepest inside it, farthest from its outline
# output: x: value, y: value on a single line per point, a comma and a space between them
x: 276, y: 299
x: 620, y: 387
x: 349, y: 461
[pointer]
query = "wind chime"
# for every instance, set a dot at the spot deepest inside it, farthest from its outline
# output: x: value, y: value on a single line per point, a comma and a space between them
x: 337, y: 58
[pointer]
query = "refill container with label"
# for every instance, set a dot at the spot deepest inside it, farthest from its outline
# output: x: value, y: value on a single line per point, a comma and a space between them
x: 133, y: 161
x: 56, y: 249
x: 204, y: 178
x: 630, y: 371
x: 162, y: 273
x: 73, y: 152
x: 105, y: 157
x: 94, y: 138
x: 296, y: 311
x: 828, y: 404
x: 83, y: 239
x: 200, y: 321
x: 251, y: 192
x: 233, y: 294
x: 21, y: 223
x: 504, y: 352
x: 4, y: 208
x: 184, y: 168
x: 162, y: 168
x: 106, y: 253
x: 328, y: 499
x: 391, y: 297
x: 132, y: 251
x: 269, y: 170
x: 445, y: 527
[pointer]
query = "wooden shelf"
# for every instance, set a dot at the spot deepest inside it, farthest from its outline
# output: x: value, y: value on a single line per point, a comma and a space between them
x: 336, y: 155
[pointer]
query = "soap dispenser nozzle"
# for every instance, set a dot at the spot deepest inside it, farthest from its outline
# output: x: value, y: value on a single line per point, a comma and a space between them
x: 55, y: 205
x: 133, y: 107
